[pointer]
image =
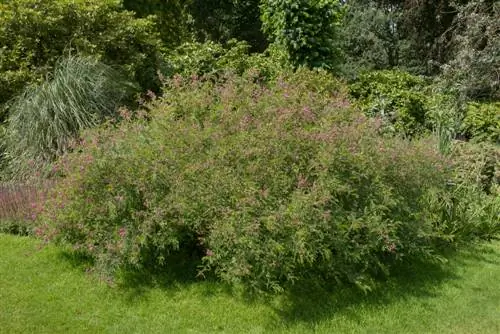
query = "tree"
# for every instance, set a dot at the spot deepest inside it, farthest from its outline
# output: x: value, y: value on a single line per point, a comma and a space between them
x: 307, y: 31
x: 474, y: 70
x: 370, y: 38
x: 171, y: 17
x: 414, y: 35
x: 426, y: 27
x: 223, y: 20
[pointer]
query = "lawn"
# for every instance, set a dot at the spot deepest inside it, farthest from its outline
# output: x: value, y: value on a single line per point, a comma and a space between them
x: 44, y: 290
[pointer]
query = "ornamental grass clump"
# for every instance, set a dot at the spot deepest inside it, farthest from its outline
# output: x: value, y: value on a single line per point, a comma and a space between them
x: 264, y: 185
x: 45, y: 119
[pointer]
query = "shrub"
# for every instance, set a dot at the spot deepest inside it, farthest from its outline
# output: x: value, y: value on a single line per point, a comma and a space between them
x: 397, y: 97
x: 482, y: 122
x: 269, y: 185
x: 214, y: 59
x: 34, y: 34
x: 46, y: 118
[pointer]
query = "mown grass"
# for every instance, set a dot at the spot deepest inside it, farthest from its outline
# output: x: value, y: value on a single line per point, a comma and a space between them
x: 45, y: 290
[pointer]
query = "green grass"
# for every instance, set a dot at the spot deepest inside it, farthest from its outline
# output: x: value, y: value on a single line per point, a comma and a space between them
x: 44, y: 290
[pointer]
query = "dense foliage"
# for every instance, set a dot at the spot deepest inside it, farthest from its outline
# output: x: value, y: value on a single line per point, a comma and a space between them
x: 474, y: 70
x: 215, y: 59
x: 397, y: 97
x: 268, y: 185
x: 306, y: 30
x: 169, y: 16
x: 223, y: 20
x: 482, y: 122
x: 368, y: 39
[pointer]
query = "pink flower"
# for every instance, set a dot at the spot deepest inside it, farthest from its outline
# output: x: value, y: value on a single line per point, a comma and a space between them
x: 122, y: 232
x: 39, y: 231
x: 209, y: 253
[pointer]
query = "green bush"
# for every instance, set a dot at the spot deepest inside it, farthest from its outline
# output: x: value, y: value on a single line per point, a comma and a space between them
x: 214, y: 59
x: 482, y: 122
x: 170, y: 17
x: 399, y: 98
x: 208, y: 58
x: 269, y: 185
x: 34, y: 34
x: 46, y: 118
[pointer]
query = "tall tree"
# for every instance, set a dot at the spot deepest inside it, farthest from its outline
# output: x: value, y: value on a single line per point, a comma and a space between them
x: 474, y: 69
x: 306, y: 30
x: 370, y: 38
x: 410, y: 34
x: 426, y: 26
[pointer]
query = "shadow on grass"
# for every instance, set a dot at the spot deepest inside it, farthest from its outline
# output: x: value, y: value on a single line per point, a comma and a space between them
x: 311, y: 302
x: 179, y: 272
x: 306, y: 302
x: 76, y: 260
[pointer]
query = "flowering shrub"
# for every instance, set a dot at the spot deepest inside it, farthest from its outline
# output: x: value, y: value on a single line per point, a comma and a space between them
x: 267, y: 184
